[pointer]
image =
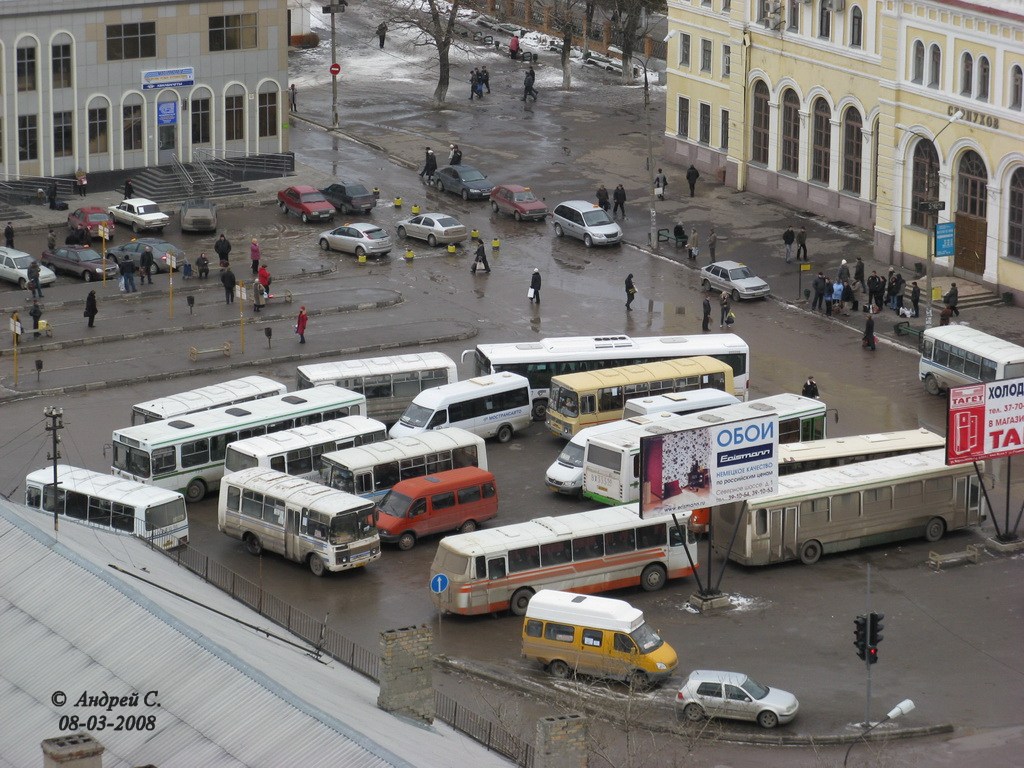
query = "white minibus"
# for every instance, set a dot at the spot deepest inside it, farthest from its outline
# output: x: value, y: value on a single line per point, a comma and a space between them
x: 678, y: 402
x: 489, y: 406
x: 953, y: 355
x: 203, y: 399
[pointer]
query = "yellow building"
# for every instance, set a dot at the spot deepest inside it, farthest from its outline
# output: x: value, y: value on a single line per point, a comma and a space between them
x: 863, y: 110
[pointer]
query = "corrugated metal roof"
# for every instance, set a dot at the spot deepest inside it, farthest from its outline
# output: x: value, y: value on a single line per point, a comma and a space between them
x: 227, y: 695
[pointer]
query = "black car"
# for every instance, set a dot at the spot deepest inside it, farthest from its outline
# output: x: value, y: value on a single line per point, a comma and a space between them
x: 349, y: 197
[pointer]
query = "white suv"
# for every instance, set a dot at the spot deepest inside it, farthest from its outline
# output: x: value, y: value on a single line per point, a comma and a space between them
x: 139, y: 214
x: 587, y: 222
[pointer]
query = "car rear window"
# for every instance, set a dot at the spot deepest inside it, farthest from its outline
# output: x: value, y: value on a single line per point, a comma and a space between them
x: 448, y: 221
x: 358, y: 190
x: 375, y: 234
x: 312, y: 197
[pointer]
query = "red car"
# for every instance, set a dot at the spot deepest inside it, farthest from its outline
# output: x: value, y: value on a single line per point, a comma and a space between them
x: 308, y: 203
x: 518, y: 201
x: 91, y: 218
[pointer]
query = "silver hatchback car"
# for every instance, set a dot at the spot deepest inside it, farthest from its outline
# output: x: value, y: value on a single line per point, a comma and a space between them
x: 735, y: 278
x: 361, y: 238
x: 709, y: 693
x: 587, y: 222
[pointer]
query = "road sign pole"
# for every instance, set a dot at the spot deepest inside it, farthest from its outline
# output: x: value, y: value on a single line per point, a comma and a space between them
x: 334, y: 73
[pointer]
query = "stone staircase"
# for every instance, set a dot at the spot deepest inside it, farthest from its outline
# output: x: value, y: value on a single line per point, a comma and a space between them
x: 174, y: 183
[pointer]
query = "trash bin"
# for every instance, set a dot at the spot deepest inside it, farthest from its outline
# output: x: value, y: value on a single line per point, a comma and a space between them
x: 1008, y: 298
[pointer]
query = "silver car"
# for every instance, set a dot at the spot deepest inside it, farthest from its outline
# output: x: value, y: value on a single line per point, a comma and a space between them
x: 587, y: 222
x: 709, y: 693
x: 434, y: 228
x: 14, y: 268
x: 735, y: 278
x: 198, y: 215
x: 361, y: 239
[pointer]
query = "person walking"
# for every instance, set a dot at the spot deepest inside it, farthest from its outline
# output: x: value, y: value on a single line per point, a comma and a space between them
x: 293, y: 97
x: 128, y: 274
x: 382, y: 32
x: 915, y: 298
x: 868, y: 342
x: 485, y: 78
x: 694, y: 244
x: 35, y: 313
x: 619, y: 198
x: 630, y: 291
x: 51, y: 240
x: 844, y: 272
x: 146, y: 266
x: 528, y: 80
x: 513, y: 48
x: 692, y: 174
x: 819, y: 285
x: 472, y: 85
x: 724, y: 306
x: 602, y: 198
x: 91, y: 309
x: 129, y: 189
x: 534, y: 293
x: 300, y: 325
x: 789, y: 237
x: 810, y: 388
x: 259, y: 295
x: 945, y: 315
x: 227, y: 279
x: 712, y: 242
x: 202, y: 266
x: 705, y: 322
x: 9, y: 235
x: 254, y: 255
x: 858, y: 275
x: 223, y: 249
x: 801, y: 244
x: 480, y: 258
x: 429, y: 166
x: 454, y: 155
x: 952, y: 299
x: 660, y: 184
x: 33, y: 280
x: 81, y: 181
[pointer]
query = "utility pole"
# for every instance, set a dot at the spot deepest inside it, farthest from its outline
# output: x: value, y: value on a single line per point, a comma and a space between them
x: 336, y: 7
x: 55, y: 415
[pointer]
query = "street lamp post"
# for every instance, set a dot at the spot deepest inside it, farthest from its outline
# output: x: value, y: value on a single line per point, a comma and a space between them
x: 900, y: 709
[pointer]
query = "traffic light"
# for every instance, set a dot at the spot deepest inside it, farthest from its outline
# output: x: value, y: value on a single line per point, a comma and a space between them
x: 860, y: 633
x: 875, y: 628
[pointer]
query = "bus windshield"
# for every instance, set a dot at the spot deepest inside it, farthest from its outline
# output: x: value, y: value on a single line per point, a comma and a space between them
x: 342, y: 479
x: 417, y: 415
x: 447, y: 561
x: 347, y: 527
x: 131, y: 460
x: 236, y: 460
x: 163, y: 515
x: 564, y: 401
x: 395, y: 504
x: 646, y: 639
x: 571, y: 455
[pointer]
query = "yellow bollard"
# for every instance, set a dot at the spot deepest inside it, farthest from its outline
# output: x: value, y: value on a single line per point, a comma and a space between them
x: 362, y: 258
x: 495, y: 243
x: 474, y: 233
x: 451, y: 247
x: 398, y: 202
x: 409, y: 255
x: 415, y: 208
x: 376, y: 193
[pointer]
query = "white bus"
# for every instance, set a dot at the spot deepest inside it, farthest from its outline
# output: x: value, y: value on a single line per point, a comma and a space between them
x: 371, y: 470
x: 611, y: 464
x: 953, y: 355
x: 495, y: 569
x: 843, y: 508
x: 186, y: 454
x: 540, y: 360
x: 104, y: 501
x: 203, y: 399
x: 326, y: 529
x: 490, y: 406
x: 297, y: 451
x: 565, y: 475
x: 389, y: 383
x: 837, y: 451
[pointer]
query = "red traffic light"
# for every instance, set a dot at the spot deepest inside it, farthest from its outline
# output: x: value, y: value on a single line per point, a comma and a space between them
x: 872, y: 654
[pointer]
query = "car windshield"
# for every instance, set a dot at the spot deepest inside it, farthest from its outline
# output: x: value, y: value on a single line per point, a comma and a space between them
x: 472, y: 176
x: 204, y: 205
x: 149, y: 208
x: 21, y: 262
x: 571, y: 455
x: 312, y: 197
x: 358, y: 190
x: 524, y: 197
x: 375, y: 234
x: 646, y: 639
x: 416, y: 415
x: 88, y: 254
x: 596, y: 218
x: 99, y: 217
x: 395, y: 504
x: 448, y: 221
x: 740, y: 274
x: 755, y: 689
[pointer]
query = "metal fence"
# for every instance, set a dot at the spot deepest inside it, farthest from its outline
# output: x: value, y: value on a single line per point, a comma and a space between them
x: 495, y: 737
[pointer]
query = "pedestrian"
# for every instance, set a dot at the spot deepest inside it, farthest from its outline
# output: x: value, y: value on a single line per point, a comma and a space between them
x: 382, y: 32
x: 896, y: 296
x: 264, y: 277
x: 485, y: 78
x: 844, y: 272
x: 33, y: 280
x: 801, y: 244
x: 602, y: 198
x: 429, y: 166
x: 876, y: 291
x: 528, y: 80
x: 660, y: 183
x: 619, y: 197
x: 829, y: 292
x: 513, y: 48
x: 52, y: 195
x: 712, y: 242
x: 810, y: 388
x: 91, y: 309
x: 51, y: 240
x: 186, y: 268
x: 129, y: 189
x: 849, y: 297
x: 202, y: 266
x: 455, y: 155
x: 127, y: 268
x: 223, y: 249
x: 952, y: 299
x: 630, y: 291
x: 259, y: 295
x: 227, y: 279
x: 300, y: 325
x: 915, y: 298
x: 480, y: 258
x: 724, y: 305
x: 945, y: 315
x: 293, y: 97
x: 692, y: 174
x: 818, y: 286
x: 9, y: 235
x: 81, y: 181
x: 858, y: 275
x: 788, y: 237
x: 254, y: 255
x: 146, y: 266
x: 705, y: 322
x: 35, y: 313
x: 473, y: 81
x: 837, y: 298
x: 694, y: 244
x: 534, y: 293
x: 868, y: 342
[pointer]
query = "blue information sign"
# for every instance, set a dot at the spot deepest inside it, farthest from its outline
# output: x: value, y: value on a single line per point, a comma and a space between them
x: 167, y: 113
x: 945, y: 238
x: 438, y: 583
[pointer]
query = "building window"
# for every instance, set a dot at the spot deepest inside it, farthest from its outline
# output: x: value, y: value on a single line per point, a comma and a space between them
x: 268, y: 115
x: 1016, y: 87
x: 1015, y: 236
x: 764, y: 7
x: 131, y: 41
x: 726, y: 6
x: 683, y: 118
x: 726, y: 60
x: 853, y: 147
x: 984, y: 75
x: 63, y: 134
x: 856, y: 27
x: 972, y: 188
x: 725, y: 129
x: 924, y: 184
x: 821, y: 151
x: 26, y: 69
x: 793, y: 15
x: 132, y: 126
x: 790, y: 132
x: 760, y: 128
x: 98, y: 132
x: 61, y: 65
x: 825, y: 21
x: 967, y: 75
x: 934, y: 66
x: 684, y: 50
x: 234, y: 118
x: 917, y: 73
x: 28, y: 138
x: 705, y: 56
x: 233, y: 33
x: 705, y: 123
x: 200, y: 109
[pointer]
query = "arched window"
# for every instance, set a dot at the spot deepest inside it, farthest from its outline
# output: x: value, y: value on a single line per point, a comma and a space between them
x: 857, y: 29
x: 853, y: 147
x: 825, y: 21
x: 984, y: 73
x: 924, y: 184
x: 934, y: 66
x: 234, y: 113
x: 98, y: 116
x: 1015, y: 236
x: 131, y: 123
x: 917, y: 74
x: 760, y: 129
x: 201, y: 116
x: 967, y: 75
x: 821, y: 152
x: 972, y: 185
x: 1016, y: 86
x: 61, y: 61
x: 790, y: 131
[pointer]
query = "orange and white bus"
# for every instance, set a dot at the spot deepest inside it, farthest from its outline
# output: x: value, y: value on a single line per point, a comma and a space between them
x: 501, y: 568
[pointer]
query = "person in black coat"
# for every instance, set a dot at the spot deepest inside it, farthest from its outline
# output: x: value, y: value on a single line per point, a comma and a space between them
x: 630, y: 291
x: 535, y: 285
x: 203, y: 266
x: 227, y: 279
x: 705, y: 321
x: 146, y: 265
x: 129, y: 189
x: 869, y: 334
x: 692, y: 174
x: 915, y: 298
x: 91, y: 309
x: 619, y: 198
x: 429, y: 165
x: 222, y: 248
x: 810, y: 388
x: 480, y: 260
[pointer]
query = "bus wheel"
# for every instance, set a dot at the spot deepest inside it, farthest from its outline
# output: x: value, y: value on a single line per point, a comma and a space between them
x: 504, y: 433
x: 316, y: 565
x: 407, y: 541
x: 195, y: 492
x: 520, y: 600
x: 468, y: 527
x: 935, y: 529
x: 252, y: 544
x: 931, y: 385
x: 540, y: 410
x: 559, y: 669
x: 638, y: 680
x: 653, y: 578
x: 810, y: 552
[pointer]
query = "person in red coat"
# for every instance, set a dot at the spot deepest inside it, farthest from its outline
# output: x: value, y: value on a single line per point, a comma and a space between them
x: 300, y: 325
x: 263, y: 276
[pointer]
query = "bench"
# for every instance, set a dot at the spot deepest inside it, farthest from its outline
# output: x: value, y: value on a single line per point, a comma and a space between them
x: 224, y: 349
x: 971, y: 554
x: 665, y: 236
x: 904, y: 328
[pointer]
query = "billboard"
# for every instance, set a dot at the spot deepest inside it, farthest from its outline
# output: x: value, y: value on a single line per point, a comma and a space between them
x: 985, y: 421
x: 704, y: 466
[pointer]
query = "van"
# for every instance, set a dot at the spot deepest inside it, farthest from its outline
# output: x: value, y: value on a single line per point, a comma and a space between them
x: 583, y: 634
x: 678, y: 402
x: 456, y: 500
x: 490, y: 406
x: 587, y: 222
x: 565, y: 475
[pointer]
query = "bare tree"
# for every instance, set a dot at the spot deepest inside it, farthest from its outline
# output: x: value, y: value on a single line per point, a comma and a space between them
x: 631, y: 19
x: 435, y: 26
x: 563, y: 16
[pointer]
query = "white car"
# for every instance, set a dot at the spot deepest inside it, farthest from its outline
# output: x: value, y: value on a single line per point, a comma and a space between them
x: 735, y: 278
x: 360, y: 238
x: 14, y: 268
x: 433, y: 227
x: 139, y: 214
x: 709, y: 693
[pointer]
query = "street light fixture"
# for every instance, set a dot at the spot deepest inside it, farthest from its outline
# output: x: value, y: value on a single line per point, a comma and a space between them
x: 899, y: 710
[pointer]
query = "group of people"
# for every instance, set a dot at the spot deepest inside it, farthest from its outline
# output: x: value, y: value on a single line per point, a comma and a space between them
x: 618, y: 196
x: 800, y: 238
x: 479, y: 81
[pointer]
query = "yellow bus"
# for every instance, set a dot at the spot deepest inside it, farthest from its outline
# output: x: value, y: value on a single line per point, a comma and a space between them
x: 580, y: 400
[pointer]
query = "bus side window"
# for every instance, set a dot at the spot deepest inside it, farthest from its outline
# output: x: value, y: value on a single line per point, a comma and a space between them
x: 385, y: 476
x: 364, y: 483
x: 163, y: 461
x: 418, y: 507
x: 277, y: 463
x: 195, y: 453
x: 33, y: 497
x: 218, y: 447
x: 123, y: 517
x: 650, y: 536
x: 439, y: 419
x: 587, y: 547
x: 234, y: 496
x: 593, y: 637
x: 761, y: 522
x: 76, y: 505
x: 469, y: 495
x: 588, y: 404
x: 675, y: 538
x: 465, y: 457
x: 496, y: 568
x: 488, y: 490
x: 523, y: 559
x: 480, y: 567
x: 533, y: 628
x: 624, y: 643
x: 563, y: 633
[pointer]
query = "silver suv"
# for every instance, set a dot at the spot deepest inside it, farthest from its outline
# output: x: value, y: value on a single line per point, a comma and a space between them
x: 587, y: 222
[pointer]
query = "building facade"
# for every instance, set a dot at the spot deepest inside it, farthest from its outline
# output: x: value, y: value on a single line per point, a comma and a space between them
x: 108, y: 85
x: 862, y: 110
